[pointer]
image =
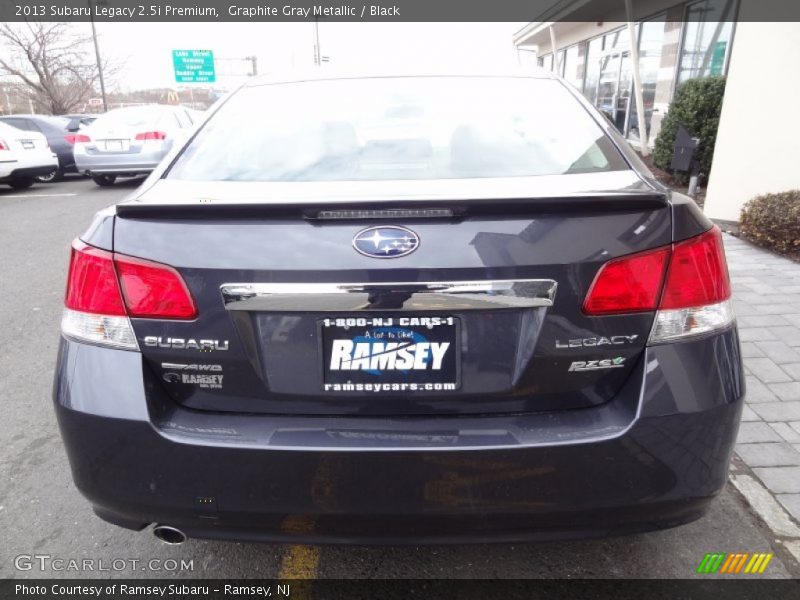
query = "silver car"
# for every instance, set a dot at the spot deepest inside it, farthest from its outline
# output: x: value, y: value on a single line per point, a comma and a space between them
x: 130, y: 141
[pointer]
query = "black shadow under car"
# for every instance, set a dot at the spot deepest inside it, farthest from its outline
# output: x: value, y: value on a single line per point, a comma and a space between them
x: 412, y: 309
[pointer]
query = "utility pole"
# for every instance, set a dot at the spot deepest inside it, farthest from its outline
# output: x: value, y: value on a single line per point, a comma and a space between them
x: 97, y: 53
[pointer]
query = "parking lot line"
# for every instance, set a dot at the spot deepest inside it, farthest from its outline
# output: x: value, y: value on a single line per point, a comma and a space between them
x: 299, y: 561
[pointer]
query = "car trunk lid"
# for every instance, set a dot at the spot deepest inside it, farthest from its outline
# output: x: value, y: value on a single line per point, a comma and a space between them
x: 491, y: 296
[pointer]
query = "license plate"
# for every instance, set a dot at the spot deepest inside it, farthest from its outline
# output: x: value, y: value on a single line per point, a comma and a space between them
x: 28, y: 145
x: 390, y: 354
x: 115, y: 145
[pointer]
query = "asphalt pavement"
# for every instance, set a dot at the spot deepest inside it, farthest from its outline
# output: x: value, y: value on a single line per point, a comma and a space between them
x: 42, y: 514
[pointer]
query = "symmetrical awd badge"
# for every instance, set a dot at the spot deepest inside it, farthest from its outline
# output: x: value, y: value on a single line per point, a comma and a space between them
x: 388, y: 241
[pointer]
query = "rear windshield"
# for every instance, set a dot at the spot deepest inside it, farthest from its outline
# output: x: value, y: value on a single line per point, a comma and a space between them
x: 133, y: 116
x: 398, y: 128
x: 61, y: 122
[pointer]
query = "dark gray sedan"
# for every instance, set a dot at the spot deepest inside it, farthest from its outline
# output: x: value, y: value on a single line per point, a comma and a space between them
x: 406, y: 309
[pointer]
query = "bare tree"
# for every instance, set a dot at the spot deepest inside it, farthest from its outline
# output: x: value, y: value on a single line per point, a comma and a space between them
x: 53, y: 60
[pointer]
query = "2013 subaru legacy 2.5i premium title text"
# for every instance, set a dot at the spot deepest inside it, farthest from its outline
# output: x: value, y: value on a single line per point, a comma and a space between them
x: 405, y: 309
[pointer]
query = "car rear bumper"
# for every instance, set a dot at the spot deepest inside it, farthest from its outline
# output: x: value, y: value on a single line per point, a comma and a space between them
x: 117, y: 164
x: 651, y: 458
x: 27, y: 172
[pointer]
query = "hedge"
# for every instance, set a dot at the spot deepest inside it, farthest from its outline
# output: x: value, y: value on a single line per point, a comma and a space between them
x: 697, y: 105
x: 773, y: 221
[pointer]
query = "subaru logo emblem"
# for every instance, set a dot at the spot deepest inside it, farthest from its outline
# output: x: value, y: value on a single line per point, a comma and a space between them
x: 385, y: 242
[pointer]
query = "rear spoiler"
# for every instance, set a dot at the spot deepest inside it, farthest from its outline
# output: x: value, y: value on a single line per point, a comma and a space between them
x: 396, y: 209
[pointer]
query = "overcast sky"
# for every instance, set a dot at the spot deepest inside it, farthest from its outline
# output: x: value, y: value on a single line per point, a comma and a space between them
x: 144, y: 49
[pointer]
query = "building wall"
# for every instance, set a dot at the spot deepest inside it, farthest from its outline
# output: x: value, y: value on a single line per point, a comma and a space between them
x: 758, y: 142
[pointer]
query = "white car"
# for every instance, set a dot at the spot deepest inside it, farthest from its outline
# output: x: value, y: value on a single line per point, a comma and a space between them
x: 23, y: 156
x: 130, y: 141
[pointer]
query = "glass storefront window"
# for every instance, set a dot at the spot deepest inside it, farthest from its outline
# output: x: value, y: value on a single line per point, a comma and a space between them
x: 707, y: 39
x: 594, y: 52
x: 572, y: 65
x: 609, y: 86
x: 651, y: 43
x: 615, y: 81
x: 617, y: 40
x: 686, y: 41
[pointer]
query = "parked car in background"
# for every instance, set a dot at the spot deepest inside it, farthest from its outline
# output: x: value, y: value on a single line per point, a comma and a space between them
x: 78, y: 122
x: 130, y: 141
x: 55, y: 130
x: 24, y: 155
x: 461, y: 307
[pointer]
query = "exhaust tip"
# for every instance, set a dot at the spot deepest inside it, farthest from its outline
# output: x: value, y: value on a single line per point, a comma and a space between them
x: 169, y: 535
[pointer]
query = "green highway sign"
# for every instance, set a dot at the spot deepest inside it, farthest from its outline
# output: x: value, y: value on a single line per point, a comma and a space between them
x: 194, y: 66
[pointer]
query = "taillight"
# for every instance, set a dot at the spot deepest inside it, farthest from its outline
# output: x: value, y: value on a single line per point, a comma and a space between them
x: 4, y: 145
x: 697, y: 290
x: 77, y: 138
x: 697, y: 273
x: 92, y: 283
x: 152, y: 290
x: 94, y: 311
x: 686, y: 283
x: 104, y: 289
x: 628, y: 284
x: 151, y: 135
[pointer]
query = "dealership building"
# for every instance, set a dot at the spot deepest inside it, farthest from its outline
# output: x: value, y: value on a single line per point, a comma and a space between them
x: 588, y: 42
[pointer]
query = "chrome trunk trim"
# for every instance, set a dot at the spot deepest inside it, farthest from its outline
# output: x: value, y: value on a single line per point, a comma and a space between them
x: 406, y: 296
